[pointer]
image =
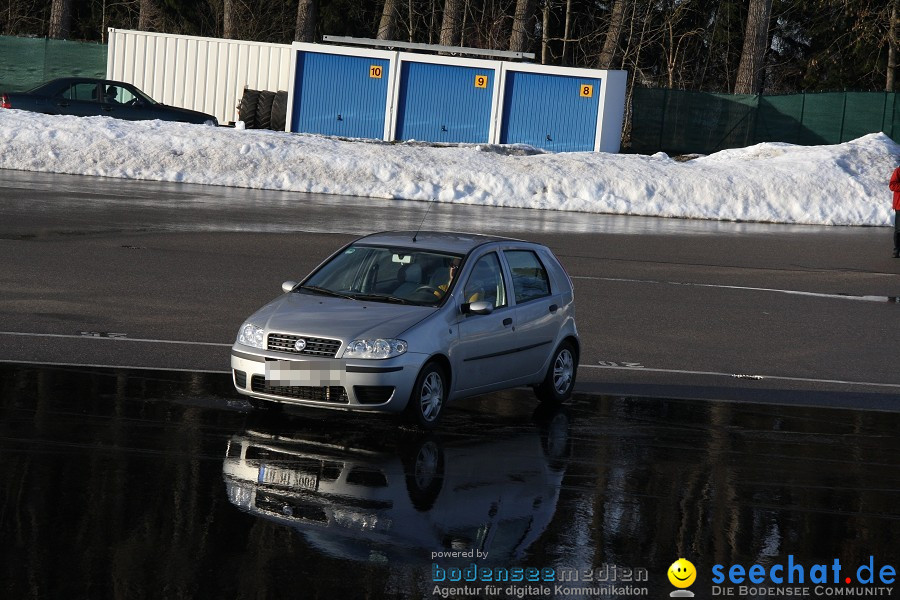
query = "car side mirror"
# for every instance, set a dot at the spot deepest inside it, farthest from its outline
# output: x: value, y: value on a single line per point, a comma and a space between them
x: 288, y: 286
x: 481, y: 307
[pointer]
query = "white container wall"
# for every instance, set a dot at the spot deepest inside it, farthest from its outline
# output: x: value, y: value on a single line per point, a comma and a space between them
x: 205, y: 74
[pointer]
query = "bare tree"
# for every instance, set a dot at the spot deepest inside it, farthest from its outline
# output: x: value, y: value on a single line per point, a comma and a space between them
x: 613, y: 34
x: 306, y: 21
x: 60, y: 19
x: 451, y: 25
x: 520, y: 39
x: 148, y: 15
x: 893, y: 42
x: 388, y: 23
x: 756, y: 41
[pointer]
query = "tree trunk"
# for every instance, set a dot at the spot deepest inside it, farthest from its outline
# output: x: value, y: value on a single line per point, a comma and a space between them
x: 567, y: 30
x: 306, y: 21
x: 613, y: 35
x: 451, y: 25
x: 545, y: 34
x: 60, y: 19
x: 520, y: 39
x: 388, y: 23
x: 229, y: 24
x: 893, y: 39
x: 753, y: 57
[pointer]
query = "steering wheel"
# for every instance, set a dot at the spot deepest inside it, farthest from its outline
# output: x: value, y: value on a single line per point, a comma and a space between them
x: 429, y: 288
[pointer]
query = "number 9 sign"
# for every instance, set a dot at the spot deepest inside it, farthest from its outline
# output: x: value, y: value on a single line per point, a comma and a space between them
x: 481, y: 81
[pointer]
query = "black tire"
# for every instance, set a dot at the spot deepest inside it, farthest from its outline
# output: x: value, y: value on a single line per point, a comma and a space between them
x: 248, y: 108
x: 560, y: 379
x: 264, y: 110
x: 423, y: 465
x: 279, y: 111
x: 428, y: 397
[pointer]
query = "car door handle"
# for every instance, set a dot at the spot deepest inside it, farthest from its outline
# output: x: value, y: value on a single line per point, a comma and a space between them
x: 553, y: 308
x: 63, y: 104
x: 107, y: 108
x: 507, y: 322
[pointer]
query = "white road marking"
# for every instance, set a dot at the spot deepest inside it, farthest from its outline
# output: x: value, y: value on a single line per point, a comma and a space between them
x: 745, y: 288
x: 41, y: 363
x: 111, y: 339
x: 743, y: 376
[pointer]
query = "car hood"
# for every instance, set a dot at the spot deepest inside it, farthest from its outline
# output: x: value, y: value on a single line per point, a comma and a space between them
x: 186, y: 112
x: 338, y: 318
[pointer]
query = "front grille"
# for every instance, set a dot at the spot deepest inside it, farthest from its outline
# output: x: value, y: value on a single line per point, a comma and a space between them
x: 240, y: 378
x: 334, y: 393
x: 373, y: 394
x: 283, y: 342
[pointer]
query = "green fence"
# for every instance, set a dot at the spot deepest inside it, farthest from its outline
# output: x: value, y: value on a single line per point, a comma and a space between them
x: 684, y: 122
x: 27, y: 62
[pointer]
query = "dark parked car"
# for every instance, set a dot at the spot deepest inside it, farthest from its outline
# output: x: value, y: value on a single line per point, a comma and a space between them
x: 83, y: 97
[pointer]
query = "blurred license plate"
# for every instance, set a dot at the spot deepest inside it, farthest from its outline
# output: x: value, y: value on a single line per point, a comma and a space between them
x: 291, y: 478
x: 314, y: 373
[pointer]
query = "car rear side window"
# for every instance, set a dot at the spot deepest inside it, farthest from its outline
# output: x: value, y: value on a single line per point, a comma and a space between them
x: 80, y: 91
x: 530, y: 280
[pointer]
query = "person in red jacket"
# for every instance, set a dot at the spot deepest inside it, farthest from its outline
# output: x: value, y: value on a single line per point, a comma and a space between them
x: 895, y: 187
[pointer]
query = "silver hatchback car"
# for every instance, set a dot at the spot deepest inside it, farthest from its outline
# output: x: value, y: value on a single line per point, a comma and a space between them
x: 406, y: 322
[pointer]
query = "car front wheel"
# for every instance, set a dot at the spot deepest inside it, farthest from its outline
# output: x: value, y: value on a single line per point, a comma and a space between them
x: 426, y: 403
x: 560, y: 379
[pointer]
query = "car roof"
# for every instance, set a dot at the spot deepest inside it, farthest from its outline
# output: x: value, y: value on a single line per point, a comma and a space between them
x: 443, y: 241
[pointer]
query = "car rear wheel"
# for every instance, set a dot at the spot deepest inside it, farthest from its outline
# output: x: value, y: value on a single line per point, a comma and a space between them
x: 426, y: 403
x: 560, y: 379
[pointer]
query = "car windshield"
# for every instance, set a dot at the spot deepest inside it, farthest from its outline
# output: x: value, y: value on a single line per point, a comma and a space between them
x: 384, y: 274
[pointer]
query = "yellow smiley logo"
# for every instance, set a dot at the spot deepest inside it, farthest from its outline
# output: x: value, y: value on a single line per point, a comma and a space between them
x: 682, y: 573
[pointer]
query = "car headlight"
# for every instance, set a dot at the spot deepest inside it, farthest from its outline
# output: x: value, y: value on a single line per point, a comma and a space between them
x: 251, y: 335
x: 376, y: 349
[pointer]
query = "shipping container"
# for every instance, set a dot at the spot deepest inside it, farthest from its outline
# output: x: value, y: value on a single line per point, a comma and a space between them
x: 205, y: 74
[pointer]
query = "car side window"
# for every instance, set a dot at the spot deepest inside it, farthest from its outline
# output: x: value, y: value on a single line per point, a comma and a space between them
x: 80, y: 91
x: 486, y: 282
x: 529, y: 277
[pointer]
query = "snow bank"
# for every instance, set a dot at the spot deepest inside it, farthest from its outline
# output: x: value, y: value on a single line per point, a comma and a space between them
x: 845, y: 184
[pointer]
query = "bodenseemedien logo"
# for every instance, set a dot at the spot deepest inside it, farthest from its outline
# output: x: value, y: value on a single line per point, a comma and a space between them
x: 682, y: 574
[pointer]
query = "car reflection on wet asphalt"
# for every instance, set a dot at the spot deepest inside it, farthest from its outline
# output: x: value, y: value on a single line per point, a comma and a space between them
x: 118, y: 484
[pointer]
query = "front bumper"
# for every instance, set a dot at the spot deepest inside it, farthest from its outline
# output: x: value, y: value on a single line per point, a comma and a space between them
x: 352, y: 384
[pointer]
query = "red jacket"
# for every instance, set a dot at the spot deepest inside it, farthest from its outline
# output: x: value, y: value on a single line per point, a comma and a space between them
x: 895, y: 187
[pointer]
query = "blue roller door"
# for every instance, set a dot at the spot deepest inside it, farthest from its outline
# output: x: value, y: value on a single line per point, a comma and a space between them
x: 444, y: 103
x: 340, y: 95
x: 554, y: 112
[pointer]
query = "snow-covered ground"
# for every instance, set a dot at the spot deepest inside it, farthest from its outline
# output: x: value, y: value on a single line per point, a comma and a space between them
x: 845, y: 184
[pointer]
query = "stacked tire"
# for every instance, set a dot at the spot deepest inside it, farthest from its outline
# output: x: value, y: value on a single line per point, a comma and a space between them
x: 262, y: 109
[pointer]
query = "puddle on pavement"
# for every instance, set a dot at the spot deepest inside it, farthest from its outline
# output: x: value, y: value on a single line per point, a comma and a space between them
x: 157, y: 485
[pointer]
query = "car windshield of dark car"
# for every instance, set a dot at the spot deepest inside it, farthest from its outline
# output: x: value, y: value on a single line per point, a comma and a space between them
x: 384, y: 274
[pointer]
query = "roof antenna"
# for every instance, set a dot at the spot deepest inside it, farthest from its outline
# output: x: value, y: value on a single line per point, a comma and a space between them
x: 423, y: 219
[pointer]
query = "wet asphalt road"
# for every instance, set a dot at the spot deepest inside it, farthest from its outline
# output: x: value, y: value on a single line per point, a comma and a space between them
x: 666, y: 307
x: 121, y: 482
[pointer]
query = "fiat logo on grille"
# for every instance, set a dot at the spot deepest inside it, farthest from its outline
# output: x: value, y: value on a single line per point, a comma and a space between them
x: 299, y: 345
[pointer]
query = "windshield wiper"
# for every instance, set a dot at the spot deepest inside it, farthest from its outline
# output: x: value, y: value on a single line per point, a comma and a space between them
x: 326, y: 292
x: 384, y: 297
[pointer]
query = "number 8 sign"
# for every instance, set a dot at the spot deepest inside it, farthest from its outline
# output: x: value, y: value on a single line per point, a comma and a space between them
x: 587, y: 91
